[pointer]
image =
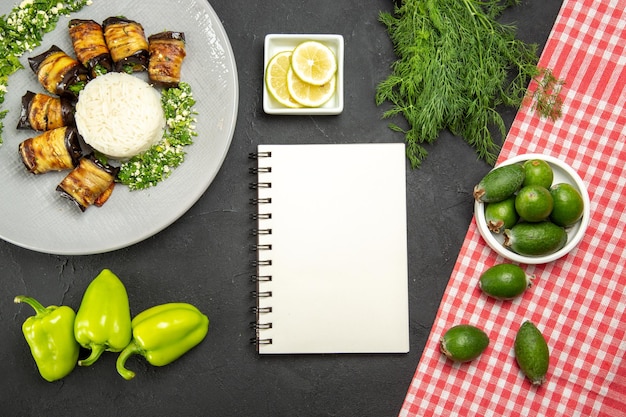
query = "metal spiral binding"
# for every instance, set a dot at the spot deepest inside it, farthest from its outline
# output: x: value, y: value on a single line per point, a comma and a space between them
x: 257, y: 341
x: 257, y: 155
x: 256, y: 247
x: 257, y: 185
x: 256, y: 309
x: 258, y: 201
x: 261, y: 294
x: 255, y: 170
x: 260, y: 278
x: 262, y: 216
x: 258, y: 324
x: 263, y: 262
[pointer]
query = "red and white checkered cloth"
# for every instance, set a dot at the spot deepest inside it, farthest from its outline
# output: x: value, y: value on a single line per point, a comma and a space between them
x: 578, y: 301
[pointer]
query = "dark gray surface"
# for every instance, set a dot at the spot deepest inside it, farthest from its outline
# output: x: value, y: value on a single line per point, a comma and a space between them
x: 203, y: 258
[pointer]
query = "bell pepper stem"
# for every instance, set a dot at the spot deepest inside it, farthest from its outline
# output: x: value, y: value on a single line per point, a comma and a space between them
x: 36, y: 305
x: 130, y: 350
x: 96, y: 351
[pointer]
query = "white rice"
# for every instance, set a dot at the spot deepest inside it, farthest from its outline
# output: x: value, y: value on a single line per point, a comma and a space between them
x: 119, y: 115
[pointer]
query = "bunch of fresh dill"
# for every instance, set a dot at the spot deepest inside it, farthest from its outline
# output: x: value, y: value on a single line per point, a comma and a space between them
x: 456, y: 63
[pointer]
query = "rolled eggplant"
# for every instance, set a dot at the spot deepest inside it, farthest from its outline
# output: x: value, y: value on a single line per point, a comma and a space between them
x: 90, y: 183
x: 54, y: 150
x: 127, y: 43
x: 58, y: 72
x: 167, y: 52
x: 90, y: 47
x: 44, y: 112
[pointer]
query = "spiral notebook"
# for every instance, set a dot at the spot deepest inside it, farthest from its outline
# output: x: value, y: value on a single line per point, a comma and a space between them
x: 331, y: 249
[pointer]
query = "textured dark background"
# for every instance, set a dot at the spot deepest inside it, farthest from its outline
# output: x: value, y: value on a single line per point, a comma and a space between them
x: 203, y: 258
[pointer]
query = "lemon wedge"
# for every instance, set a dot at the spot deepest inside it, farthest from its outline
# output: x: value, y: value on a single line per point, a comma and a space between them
x: 307, y: 94
x: 314, y: 63
x: 276, y: 79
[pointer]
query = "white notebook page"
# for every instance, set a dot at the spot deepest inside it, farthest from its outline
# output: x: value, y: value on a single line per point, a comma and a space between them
x: 338, y: 249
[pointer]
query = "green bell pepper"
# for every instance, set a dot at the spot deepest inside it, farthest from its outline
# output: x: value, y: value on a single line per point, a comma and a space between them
x: 163, y: 333
x: 50, y: 335
x: 103, y: 321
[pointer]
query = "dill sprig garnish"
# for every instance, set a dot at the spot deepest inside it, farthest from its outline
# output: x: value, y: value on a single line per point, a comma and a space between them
x: 157, y: 163
x: 456, y: 64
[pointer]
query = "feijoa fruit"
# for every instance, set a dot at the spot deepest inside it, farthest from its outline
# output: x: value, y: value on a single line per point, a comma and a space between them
x: 534, y: 203
x: 535, y: 239
x: 538, y: 172
x: 500, y: 183
x: 463, y: 342
x: 568, y: 204
x: 505, y: 281
x: 532, y: 353
x: 501, y: 215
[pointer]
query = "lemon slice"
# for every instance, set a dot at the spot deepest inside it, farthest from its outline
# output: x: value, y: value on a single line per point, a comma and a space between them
x: 276, y: 79
x: 314, y: 62
x: 309, y: 95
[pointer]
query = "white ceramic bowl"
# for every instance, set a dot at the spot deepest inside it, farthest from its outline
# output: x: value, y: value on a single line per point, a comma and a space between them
x: 275, y: 43
x: 562, y: 173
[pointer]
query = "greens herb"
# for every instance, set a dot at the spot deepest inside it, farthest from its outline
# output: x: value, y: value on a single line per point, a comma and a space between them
x: 147, y: 169
x: 23, y: 29
x: 100, y: 70
x: 456, y: 63
x: 77, y: 87
x: 546, y: 98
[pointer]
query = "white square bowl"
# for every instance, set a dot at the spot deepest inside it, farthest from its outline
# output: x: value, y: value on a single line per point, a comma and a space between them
x: 275, y: 43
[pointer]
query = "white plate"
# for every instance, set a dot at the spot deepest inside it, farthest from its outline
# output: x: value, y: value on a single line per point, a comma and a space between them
x: 275, y: 43
x: 562, y: 173
x: 32, y: 213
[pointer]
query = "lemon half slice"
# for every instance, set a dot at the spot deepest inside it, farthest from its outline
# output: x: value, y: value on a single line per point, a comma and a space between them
x: 307, y: 94
x: 276, y: 79
x: 314, y: 63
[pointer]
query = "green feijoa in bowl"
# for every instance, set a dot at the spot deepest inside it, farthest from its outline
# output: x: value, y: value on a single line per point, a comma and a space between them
x: 535, y: 239
x: 568, y: 204
x: 500, y: 183
x: 505, y: 281
x: 463, y: 342
x: 534, y: 203
x: 501, y: 215
x: 538, y: 172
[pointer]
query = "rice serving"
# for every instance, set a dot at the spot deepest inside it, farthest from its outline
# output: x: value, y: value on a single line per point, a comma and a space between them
x: 119, y: 115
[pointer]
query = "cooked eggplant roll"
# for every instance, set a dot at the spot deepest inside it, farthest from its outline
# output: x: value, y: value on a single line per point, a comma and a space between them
x: 167, y: 52
x: 127, y: 43
x: 58, y: 72
x: 43, y: 112
x: 53, y: 150
x: 90, y: 47
x: 90, y: 183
